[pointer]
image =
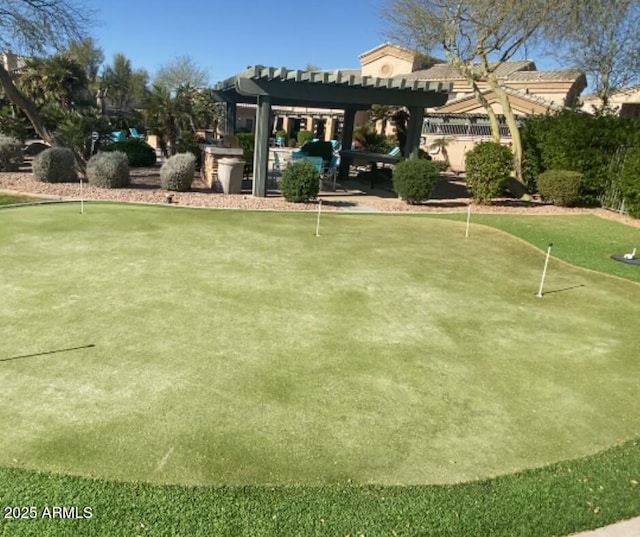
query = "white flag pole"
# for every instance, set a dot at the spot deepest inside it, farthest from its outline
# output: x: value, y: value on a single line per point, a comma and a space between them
x: 544, y: 271
x: 318, y: 221
x: 466, y: 233
x: 81, y: 198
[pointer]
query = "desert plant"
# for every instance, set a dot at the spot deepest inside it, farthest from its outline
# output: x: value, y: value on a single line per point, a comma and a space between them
x: 11, y: 155
x: 367, y: 138
x: 177, y: 172
x: 109, y: 170
x: 300, y: 182
x: 488, y: 166
x: 139, y: 153
x: 562, y: 187
x: 414, y: 179
x: 55, y: 165
x: 304, y: 137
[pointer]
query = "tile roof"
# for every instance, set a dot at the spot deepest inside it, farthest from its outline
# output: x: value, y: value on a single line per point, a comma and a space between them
x: 559, y: 75
x: 516, y: 93
x: 446, y: 72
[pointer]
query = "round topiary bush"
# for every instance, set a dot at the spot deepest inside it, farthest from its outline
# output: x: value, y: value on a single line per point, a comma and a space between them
x: 488, y: 168
x: 11, y: 155
x: 562, y: 187
x: 414, y: 179
x: 300, y: 182
x: 178, y: 171
x: 55, y: 165
x: 139, y: 153
x: 109, y: 170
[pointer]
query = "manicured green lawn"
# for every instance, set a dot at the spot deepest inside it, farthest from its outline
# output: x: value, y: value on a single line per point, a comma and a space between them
x: 11, y: 199
x: 584, y: 240
x: 235, y: 348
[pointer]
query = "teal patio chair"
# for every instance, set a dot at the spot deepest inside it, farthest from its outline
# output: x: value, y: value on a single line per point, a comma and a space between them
x: 135, y: 134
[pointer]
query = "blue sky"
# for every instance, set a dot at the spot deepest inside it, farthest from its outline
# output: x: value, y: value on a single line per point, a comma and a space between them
x: 225, y: 36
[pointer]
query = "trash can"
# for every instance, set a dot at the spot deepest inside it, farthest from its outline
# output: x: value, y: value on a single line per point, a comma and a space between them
x: 230, y: 172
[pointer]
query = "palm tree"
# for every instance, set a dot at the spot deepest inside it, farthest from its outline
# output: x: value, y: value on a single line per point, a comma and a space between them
x: 441, y: 145
x: 161, y: 112
x: 56, y: 80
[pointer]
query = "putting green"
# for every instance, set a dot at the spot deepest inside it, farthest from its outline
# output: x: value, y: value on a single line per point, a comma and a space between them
x: 220, y: 347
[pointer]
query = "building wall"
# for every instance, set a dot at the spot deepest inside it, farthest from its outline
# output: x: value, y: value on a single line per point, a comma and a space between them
x: 387, y: 66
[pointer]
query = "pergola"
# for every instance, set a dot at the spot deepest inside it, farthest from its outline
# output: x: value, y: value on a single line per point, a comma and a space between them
x: 268, y: 86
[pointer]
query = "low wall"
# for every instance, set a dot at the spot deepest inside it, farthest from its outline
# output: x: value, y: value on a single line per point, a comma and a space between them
x: 210, y: 157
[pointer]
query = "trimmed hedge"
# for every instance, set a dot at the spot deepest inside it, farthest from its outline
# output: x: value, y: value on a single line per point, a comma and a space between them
x: 109, y: 170
x: 11, y: 155
x: 488, y: 168
x: 177, y: 173
x: 562, y: 187
x: 139, y: 153
x: 300, y: 182
x: 629, y: 181
x: 304, y: 137
x: 414, y: 179
x: 55, y: 165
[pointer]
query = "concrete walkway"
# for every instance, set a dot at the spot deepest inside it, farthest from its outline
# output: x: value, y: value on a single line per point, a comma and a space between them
x: 627, y: 528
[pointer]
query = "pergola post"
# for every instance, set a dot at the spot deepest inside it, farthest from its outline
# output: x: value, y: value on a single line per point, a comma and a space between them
x: 414, y: 131
x: 230, y: 118
x: 347, y: 139
x: 261, y: 153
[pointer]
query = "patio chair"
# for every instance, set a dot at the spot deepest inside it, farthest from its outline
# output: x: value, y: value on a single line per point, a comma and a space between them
x: 395, y: 152
x: 135, y: 134
x: 276, y: 169
x: 331, y: 171
x: 118, y: 136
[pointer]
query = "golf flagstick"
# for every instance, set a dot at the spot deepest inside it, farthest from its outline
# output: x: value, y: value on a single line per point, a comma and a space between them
x: 544, y: 271
x: 81, y: 198
x: 318, y: 221
x: 466, y: 233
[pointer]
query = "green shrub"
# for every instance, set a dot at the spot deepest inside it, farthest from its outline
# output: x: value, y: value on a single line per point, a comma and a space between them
x: 55, y: 165
x: 109, y: 170
x: 441, y: 165
x: 318, y: 149
x: 11, y: 155
x: 562, y: 187
x: 571, y: 140
x: 304, y: 137
x: 488, y: 167
x: 178, y: 171
x: 187, y: 143
x: 292, y: 142
x: 281, y: 134
x: 414, y: 179
x: 12, y: 126
x: 300, y: 182
x: 139, y: 153
x: 629, y: 181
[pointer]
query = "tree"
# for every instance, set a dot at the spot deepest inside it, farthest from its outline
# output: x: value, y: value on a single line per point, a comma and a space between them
x: 182, y: 71
x: 601, y: 39
x: 477, y: 36
x: 38, y: 26
x: 124, y: 87
x: 90, y: 57
x: 57, y: 80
